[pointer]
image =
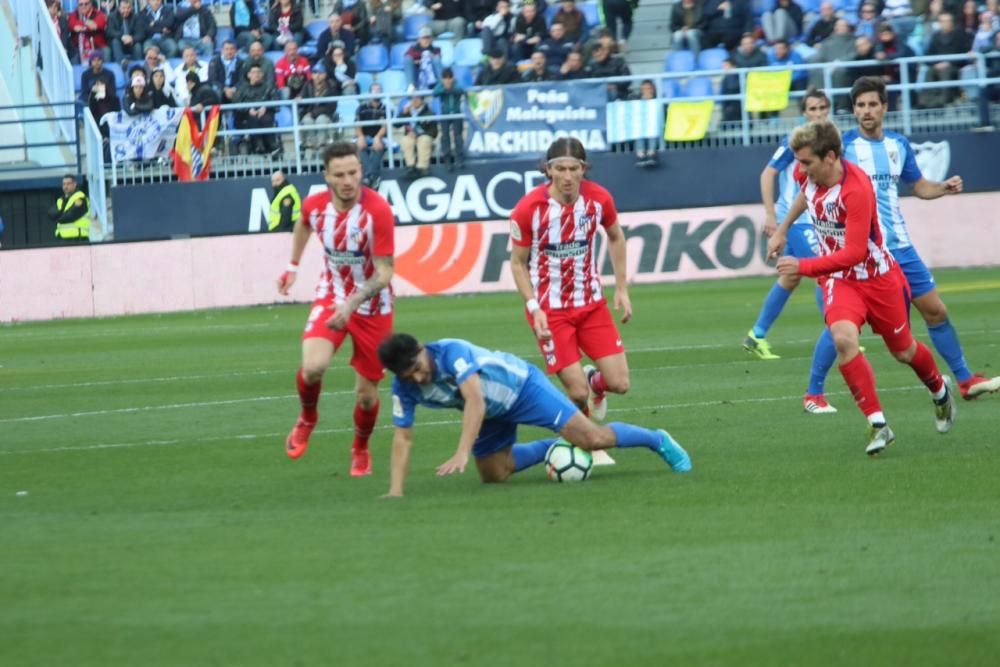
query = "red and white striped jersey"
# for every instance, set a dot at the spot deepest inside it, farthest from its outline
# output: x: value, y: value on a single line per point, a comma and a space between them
x: 562, y: 264
x: 350, y: 240
x: 846, y: 220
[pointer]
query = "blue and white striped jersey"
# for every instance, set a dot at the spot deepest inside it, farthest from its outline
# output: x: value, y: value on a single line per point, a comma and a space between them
x: 886, y: 161
x: 501, y: 374
x: 783, y: 161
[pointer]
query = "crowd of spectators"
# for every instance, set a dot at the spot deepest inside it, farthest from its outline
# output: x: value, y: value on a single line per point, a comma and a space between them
x: 523, y: 41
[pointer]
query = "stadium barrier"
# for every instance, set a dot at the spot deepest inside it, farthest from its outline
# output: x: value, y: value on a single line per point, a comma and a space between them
x: 663, y: 245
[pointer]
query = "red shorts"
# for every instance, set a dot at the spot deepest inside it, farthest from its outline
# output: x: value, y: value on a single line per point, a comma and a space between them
x: 366, y: 331
x: 883, y: 302
x: 590, y: 329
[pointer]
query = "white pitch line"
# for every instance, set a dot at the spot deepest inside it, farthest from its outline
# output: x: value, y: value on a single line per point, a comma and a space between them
x: 446, y: 422
x: 117, y: 332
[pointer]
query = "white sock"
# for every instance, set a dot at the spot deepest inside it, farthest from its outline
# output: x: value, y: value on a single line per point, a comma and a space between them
x: 876, y: 418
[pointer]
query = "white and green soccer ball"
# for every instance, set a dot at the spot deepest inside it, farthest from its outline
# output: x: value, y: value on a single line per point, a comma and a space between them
x: 567, y: 463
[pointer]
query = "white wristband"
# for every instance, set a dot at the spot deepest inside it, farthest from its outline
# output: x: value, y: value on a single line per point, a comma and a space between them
x: 292, y: 267
x: 532, y: 306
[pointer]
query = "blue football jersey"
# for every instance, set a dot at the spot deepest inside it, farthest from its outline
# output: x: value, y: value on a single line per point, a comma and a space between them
x: 783, y: 161
x: 501, y: 374
x: 886, y: 161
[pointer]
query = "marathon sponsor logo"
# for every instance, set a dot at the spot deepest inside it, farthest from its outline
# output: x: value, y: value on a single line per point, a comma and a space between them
x: 884, y: 181
x: 572, y: 249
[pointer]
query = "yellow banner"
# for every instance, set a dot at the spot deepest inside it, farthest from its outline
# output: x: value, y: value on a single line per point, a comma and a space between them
x: 688, y: 121
x: 768, y: 91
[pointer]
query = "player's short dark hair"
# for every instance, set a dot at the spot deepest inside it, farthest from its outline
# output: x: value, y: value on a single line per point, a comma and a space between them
x: 869, y: 84
x: 565, y: 147
x: 822, y: 136
x: 812, y: 94
x: 339, y: 149
x: 399, y: 352
x: 70, y: 177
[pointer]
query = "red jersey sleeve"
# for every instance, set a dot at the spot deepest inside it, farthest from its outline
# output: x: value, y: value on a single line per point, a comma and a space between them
x: 608, y: 210
x: 383, y: 224
x: 797, y: 174
x: 859, y: 206
x: 520, y: 222
x: 308, y: 208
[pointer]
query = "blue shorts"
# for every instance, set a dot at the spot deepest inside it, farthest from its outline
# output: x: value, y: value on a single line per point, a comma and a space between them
x: 916, y: 272
x: 540, y: 404
x: 802, y: 242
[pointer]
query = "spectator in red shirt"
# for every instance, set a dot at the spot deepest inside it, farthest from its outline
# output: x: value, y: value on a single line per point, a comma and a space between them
x: 292, y: 71
x: 88, y: 24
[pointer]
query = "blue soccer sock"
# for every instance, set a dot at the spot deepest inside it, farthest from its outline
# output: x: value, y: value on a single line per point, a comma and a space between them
x: 945, y: 341
x: 824, y: 354
x: 769, y: 311
x: 634, y: 436
x: 530, y: 453
x: 819, y: 300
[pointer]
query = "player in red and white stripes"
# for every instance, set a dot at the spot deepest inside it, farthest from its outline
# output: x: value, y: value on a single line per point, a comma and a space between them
x: 554, y: 262
x: 353, y: 298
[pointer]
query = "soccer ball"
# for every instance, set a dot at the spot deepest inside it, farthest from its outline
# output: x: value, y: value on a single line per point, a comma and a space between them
x: 567, y: 463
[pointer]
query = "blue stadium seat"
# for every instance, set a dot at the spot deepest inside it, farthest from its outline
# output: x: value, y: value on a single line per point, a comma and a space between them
x: 223, y: 32
x: 669, y: 89
x: 347, y: 109
x: 78, y: 71
x: 469, y: 52
x: 372, y: 58
x: 712, y: 59
x: 397, y: 55
x: 413, y: 23
x: 393, y: 81
x: 679, y: 61
x: 465, y: 76
x: 274, y: 56
x: 550, y: 12
x: 447, y: 52
x: 364, y: 81
x: 699, y: 86
x: 591, y: 12
x: 175, y: 63
x: 116, y: 69
x: 283, y: 118
x: 313, y: 30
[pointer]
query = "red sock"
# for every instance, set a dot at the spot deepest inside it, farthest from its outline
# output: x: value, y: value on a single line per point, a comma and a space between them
x: 364, y: 424
x: 308, y: 396
x: 860, y: 379
x: 597, y: 383
x: 924, y: 366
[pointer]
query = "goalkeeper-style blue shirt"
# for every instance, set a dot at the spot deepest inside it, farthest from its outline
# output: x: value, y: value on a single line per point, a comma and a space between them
x: 501, y: 374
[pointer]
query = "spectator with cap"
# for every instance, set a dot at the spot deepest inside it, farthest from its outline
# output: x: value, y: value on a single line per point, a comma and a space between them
x: 449, y: 16
x: 529, y: 31
x: 497, y: 71
x: 336, y: 32
x: 88, y: 25
x: 138, y: 98
x: 450, y: 96
x: 686, y: 22
x: 417, y: 139
x: 246, y: 26
x: 422, y: 61
x: 195, y: 27
x: 573, y: 20
x: 320, y: 112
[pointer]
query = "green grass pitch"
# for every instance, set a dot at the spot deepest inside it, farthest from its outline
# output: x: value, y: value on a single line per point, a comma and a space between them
x: 163, y: 525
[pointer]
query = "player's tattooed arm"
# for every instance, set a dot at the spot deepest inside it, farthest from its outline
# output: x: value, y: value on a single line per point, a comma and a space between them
x: 384, y: 268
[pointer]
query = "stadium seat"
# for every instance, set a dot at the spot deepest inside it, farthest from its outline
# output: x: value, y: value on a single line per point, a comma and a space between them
x: 465, y: 76
x: 413, y: 23
x: 447, y: 52
x: 78, y: 71
x: 116, y: 69
x: 469, y: 52
x: 591, y: 12
x: 175, y: 63
x: 347, y: 109
x: 669, y: 89
x: 223, y: 32
x: 699, y: 86
x: 283, y: 118
x: 397, y: 55
x: 364, y: 81
x: 679, y: 61
x: 550, y: 12
x: 314, y: 28
x: 372, y: 58
x: 712, y: 59
x: 274, y: 56
x: 393, y: 82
